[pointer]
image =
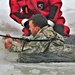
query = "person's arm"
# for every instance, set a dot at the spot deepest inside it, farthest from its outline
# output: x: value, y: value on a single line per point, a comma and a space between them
x: 15, y: 11
x: 30, y: 47
x: 55, y: 9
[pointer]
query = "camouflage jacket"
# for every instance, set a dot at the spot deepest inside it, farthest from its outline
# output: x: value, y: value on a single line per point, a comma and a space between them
x: 41, y: 46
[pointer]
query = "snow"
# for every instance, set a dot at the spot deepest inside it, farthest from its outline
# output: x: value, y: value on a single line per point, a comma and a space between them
x: 8, y: 66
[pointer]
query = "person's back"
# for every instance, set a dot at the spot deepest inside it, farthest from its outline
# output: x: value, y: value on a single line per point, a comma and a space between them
x: 47, y: 33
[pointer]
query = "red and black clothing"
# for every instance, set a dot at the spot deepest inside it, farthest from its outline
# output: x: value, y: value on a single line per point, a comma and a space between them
x: 21, y: 9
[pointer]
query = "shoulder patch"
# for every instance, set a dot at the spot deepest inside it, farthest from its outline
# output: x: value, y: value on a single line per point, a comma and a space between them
x: 40, y: 5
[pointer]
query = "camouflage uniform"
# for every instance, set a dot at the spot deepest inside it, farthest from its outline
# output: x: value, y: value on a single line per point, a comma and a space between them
x: 46, y: 32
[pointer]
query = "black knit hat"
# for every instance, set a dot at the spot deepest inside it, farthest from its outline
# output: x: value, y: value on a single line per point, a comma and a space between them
x: 39, y: 20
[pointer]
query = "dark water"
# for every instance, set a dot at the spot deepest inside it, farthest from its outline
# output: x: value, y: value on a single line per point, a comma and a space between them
x: 50, y: 57
x: 70, y: 40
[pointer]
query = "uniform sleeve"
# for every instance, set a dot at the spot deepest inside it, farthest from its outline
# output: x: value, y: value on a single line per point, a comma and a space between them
x: 16, y: 46
x: 15, y: 11
x: 35, y: 47
x: 30, y: 47
x: 55, y: 11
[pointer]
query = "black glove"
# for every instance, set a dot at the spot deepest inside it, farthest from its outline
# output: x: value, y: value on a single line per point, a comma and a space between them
x: 26, y: 25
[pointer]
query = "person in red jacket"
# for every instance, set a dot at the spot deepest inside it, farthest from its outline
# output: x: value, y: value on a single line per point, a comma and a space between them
x: 22, y: 10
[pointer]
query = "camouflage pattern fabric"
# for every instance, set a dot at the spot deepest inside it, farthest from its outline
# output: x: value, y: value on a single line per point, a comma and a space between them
x: 56, y: 46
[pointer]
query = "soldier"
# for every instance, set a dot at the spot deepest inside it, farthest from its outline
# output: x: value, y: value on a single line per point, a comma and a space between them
x: 39, y: 28
x: 22, y: 10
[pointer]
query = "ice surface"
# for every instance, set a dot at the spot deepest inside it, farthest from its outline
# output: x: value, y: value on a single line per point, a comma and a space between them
x: 7, y: 64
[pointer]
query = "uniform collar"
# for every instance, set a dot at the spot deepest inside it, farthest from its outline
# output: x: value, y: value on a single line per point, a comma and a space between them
x: 40, y: 31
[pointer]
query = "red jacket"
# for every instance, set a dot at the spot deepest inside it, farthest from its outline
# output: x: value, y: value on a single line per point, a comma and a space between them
x: 21, y: 9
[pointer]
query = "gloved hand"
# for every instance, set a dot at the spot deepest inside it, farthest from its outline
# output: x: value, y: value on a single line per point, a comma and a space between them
x: 24, y: 22
x: 62, y: 30
x: 50, y: 23
x: 25, y: 30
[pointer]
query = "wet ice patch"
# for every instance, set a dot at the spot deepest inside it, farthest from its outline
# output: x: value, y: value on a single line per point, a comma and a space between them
x: 35, y: 71
x: 8, y: 69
